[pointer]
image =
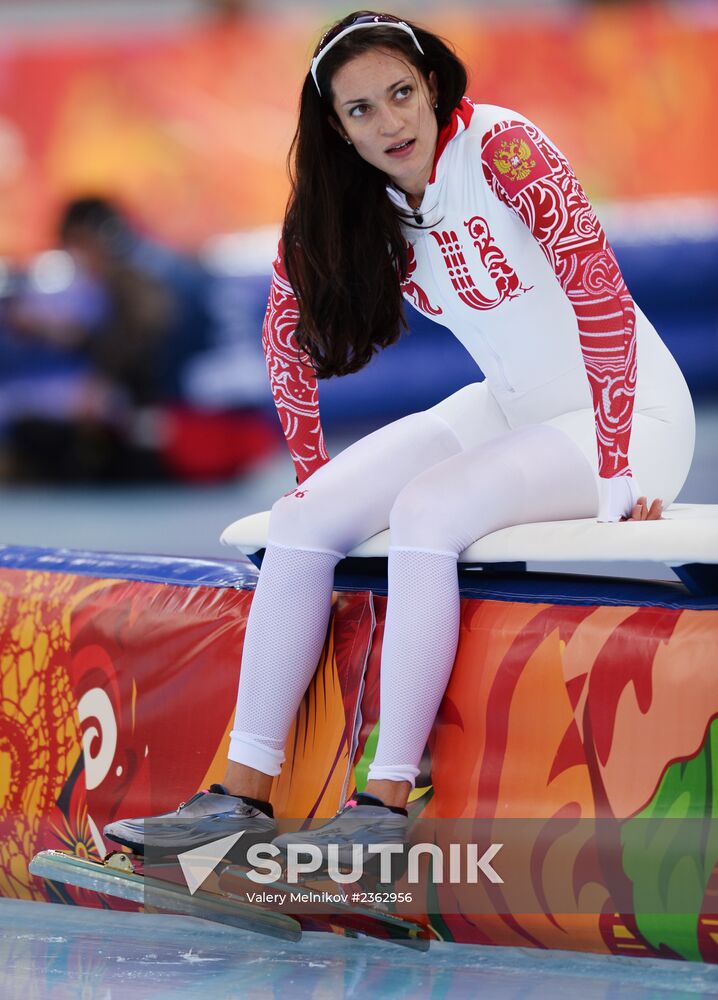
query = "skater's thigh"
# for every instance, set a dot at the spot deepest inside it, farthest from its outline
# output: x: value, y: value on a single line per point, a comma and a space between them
x: 531, y: 473
x: 350, y: 498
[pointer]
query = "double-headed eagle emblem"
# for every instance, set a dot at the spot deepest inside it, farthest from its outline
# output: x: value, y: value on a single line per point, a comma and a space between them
x: 512, y: 159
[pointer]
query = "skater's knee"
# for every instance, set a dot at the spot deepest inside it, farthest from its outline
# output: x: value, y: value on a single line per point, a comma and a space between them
x: 420, y: 520
x: 304, y: 519
x: 296, y: 520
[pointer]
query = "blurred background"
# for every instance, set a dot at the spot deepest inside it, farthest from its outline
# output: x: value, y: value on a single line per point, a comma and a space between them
x: 142, y: 183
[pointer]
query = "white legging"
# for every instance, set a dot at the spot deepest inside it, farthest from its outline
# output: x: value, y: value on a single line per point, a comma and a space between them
x: 440, y: 479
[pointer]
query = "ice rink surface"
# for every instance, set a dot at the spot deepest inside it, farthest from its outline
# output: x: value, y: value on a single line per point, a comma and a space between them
x: 50, y: 952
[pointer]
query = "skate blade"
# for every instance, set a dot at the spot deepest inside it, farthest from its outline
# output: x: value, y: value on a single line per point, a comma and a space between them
x: 115, y: 878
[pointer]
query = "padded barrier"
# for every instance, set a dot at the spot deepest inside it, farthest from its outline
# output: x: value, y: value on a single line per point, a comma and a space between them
x: 595, y: 707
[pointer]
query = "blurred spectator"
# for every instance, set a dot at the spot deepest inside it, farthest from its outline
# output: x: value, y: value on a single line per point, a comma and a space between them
x: 157, y: 316
x: 110, y: 406
x: 44, y: 373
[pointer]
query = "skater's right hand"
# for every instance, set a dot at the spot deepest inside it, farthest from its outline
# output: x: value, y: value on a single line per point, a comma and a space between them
x: 642, y: 511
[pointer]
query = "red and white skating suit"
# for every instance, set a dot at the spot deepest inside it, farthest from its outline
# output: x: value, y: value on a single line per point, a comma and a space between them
x: 580, y: 394
x: 513, y: 260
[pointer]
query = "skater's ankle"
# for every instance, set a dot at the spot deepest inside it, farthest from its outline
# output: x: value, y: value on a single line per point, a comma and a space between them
x: 261, y: 804
x: 247, y: 782
x: 365, y: 799
x: 391, y: 793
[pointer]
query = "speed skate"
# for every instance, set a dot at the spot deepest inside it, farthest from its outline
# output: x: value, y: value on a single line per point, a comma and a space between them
x: 227, y: 896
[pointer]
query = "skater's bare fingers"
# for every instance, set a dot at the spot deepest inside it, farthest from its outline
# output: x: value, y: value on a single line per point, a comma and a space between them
x: 643, y: 512
x: 655, y: 511
x: 639, y: 511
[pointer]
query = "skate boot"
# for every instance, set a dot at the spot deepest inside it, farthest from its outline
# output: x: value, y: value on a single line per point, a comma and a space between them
x: 207, y: 816
x: 363, y: 820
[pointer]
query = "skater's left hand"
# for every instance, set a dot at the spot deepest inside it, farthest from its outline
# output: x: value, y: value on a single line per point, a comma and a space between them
x: 642, y: 511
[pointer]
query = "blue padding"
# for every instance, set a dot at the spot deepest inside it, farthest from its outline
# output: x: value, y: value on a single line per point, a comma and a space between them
x: 533, y: 588
x: 491, y: 584
x: 567, y: 588
x: 122, y: 566
x: 559, y: 588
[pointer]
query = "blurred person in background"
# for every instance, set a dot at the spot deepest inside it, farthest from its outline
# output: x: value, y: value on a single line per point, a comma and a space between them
x: 134, y: 344
x: 402, y: 186
x: 128, y: 419
x: 46, y: 382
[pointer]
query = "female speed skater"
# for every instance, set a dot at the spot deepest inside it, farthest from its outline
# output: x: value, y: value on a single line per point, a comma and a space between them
x: 404, y: 187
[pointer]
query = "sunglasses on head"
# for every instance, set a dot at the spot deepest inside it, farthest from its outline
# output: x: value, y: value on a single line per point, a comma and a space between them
x: 340, y: 31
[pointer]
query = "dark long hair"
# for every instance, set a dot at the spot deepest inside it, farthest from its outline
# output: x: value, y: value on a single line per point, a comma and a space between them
x: 343, y: 246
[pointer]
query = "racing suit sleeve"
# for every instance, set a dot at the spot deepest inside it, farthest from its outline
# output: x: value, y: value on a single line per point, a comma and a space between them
x: 291, y: 377
x: 527, y: 173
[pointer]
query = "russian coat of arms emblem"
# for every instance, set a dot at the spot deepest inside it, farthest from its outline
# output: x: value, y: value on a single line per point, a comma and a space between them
x: 513, y: 159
